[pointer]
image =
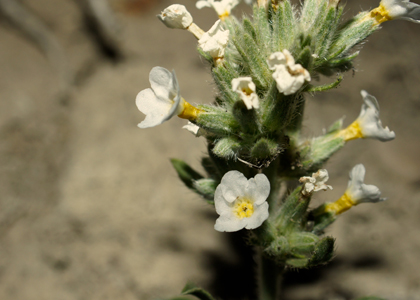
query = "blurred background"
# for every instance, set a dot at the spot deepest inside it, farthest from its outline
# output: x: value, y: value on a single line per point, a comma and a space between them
x: 90, y: 207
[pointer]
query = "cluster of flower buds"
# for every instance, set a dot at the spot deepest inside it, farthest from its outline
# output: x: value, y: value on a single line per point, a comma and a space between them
x: 262, y: 67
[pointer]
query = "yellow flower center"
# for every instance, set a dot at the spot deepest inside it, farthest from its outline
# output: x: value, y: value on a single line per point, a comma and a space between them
x: 380, y: 14
x: 247, y: 91
x: 189, y: 112
x: 352, y: 132
x: 341, y: 205
x: 243, y: 208
x: 224, y: 15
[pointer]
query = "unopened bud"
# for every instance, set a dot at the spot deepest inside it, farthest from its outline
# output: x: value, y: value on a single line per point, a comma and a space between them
x: 176, y: 16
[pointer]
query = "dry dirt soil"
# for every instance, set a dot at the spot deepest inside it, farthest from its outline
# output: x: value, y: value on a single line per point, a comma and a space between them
x: 91, y: 209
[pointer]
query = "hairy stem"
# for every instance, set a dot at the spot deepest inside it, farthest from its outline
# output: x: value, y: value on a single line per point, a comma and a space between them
x: 269, y: 277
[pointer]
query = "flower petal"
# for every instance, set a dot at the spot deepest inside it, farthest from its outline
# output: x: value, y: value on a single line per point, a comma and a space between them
x: 259, y: 216
x: 402, y: 9
x: 164, y: 83
x: 229, y: 224
x: 222, y: 206
x: 360, y: 192
x: 370, y: 124
x: 155, y: 109
x: 233, y: 185
x: 258, y: 189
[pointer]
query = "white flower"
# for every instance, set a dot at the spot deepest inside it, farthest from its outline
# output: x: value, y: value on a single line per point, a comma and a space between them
x: 315, y: 183
x: 289, y: 76
x: 162, y: 101
x: 241, y: 203
x: 399, y: 9
x: 214, y: 41
x: 368, y: 121
x: 246, y: 90
x: 357, y: 191
x: 176, y: 16
x: 223, y: 7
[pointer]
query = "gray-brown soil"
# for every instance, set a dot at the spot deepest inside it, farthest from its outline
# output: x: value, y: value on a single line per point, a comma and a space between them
x: 90, y: 207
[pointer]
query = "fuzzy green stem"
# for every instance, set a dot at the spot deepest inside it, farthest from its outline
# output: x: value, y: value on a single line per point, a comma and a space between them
x: 269, y: 278
x: 296, y: 125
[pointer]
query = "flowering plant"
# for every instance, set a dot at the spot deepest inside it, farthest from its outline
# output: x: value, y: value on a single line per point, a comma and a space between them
x: 259, y: 163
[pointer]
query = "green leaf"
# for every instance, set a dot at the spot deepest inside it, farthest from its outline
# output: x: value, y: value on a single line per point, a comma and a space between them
x: 187, y: 174
x: 253, y: 59
x: 284, y: 26
x: 191, y: 289
x: 177, y: 298
x: 223, y: 76
x: 370, y: 298
x: 325, y: 87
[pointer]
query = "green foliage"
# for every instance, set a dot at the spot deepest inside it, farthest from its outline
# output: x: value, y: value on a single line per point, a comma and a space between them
x: 187, y: 174
x: 191, y: 289
x: 371, y: 298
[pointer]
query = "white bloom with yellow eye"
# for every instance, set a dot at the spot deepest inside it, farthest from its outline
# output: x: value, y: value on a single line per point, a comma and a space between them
x: 245, y: 87
x: 176, y: 16
x: 368, y: 124
x: 215, y: 41
x: 223, y: 8
x: 315, y: 183
x: 288, y: 75
x: 241, y: 203
x: 357, y: 192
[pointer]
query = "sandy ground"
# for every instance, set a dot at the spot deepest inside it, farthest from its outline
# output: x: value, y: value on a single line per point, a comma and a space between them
x: 90, y: 207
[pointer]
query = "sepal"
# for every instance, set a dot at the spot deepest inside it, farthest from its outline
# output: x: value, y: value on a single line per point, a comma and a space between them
x: 319, y: 150
x: 323, y: 252
x: 227, y: 147
x: 217, y: 120
x: 247, y: 118
x: 264, y: 149
x: 321, y: 219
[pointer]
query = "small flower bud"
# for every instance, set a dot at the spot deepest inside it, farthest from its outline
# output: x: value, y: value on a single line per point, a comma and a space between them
x: 176, y: 16
x: 315, y: 183
x: 289, y: 76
